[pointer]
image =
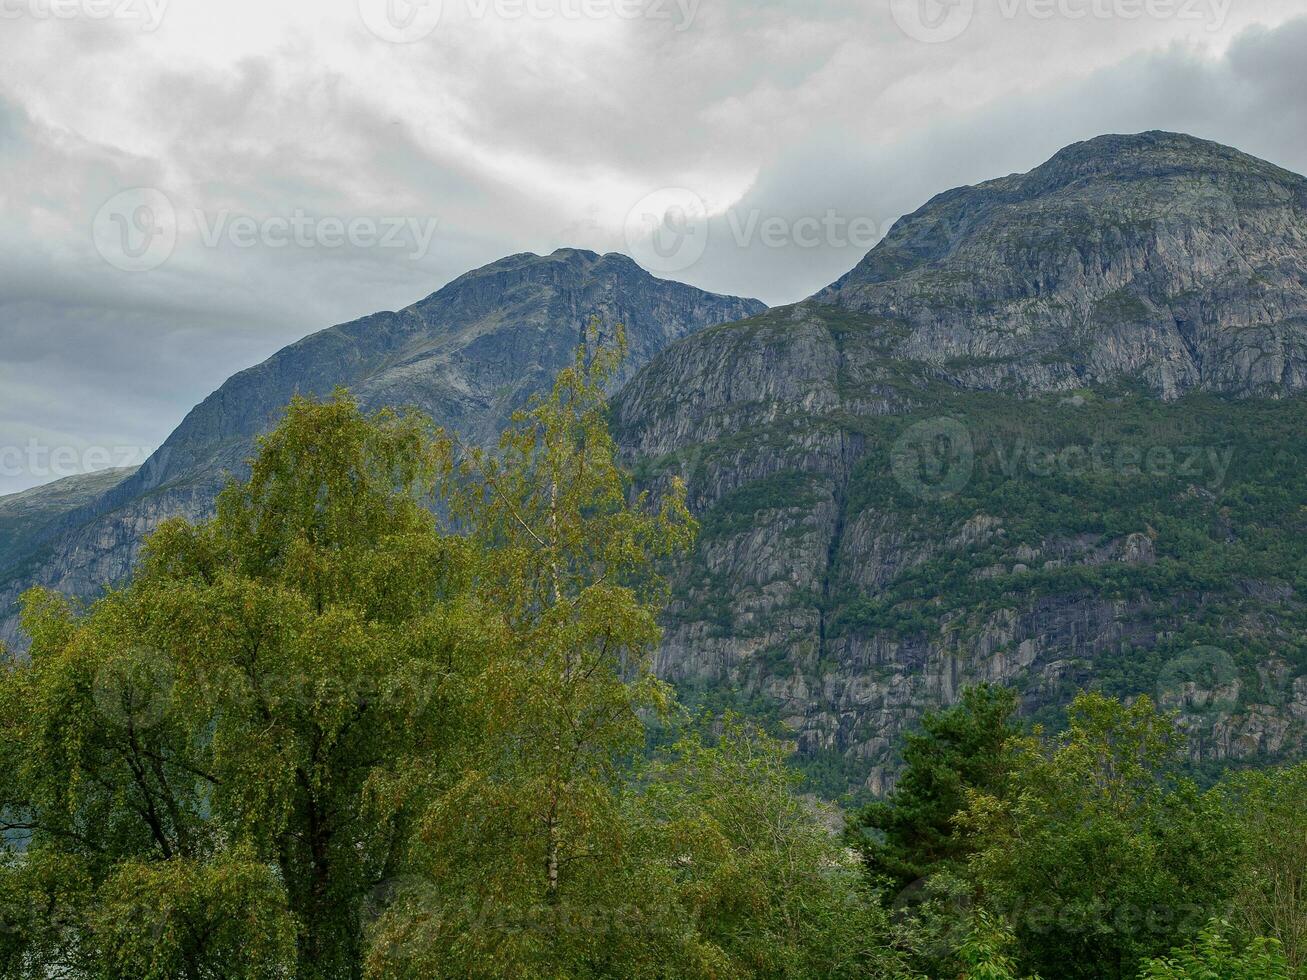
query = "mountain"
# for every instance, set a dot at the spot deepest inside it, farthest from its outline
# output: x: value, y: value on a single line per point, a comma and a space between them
x: 25, y: 516
x: 1160, y: 256
x: 1022, y: 441
x: 468, y: 355
x: 1051, y: 432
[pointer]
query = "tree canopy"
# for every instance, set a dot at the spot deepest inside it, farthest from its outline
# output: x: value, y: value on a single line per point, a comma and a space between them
x: 385, y: 714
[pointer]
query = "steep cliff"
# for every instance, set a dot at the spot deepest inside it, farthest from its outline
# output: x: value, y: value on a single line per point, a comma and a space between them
x: 1019, y: 442
x: 1051, y: 432
x: 1160, y: 256
x: 468, y: 355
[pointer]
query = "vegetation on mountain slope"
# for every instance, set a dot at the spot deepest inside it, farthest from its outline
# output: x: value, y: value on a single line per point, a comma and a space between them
x: 322, y: 735
x: 328, y: 735
x: 891, y: 535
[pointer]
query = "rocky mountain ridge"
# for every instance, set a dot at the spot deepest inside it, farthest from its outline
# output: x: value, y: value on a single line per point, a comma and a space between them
x: 469, y: 355
x: 870, y: 464
x: 1159, y: 256
x: 1050, y: 432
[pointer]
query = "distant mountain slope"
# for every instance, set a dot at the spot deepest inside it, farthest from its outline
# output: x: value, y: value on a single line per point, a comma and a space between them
x: 1051, y: 432
x: 24, y: 516
x: 469, y: 355
x: 1160, y: 256
x: 898, y: 484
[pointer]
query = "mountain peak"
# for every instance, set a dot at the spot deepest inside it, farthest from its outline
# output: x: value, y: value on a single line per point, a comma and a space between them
x: 1156, y: 255
x: 468, y: 355
x: 574, y: 253
x: 1151, y: 141
x: 561, y: 268
x: 1153, y: 155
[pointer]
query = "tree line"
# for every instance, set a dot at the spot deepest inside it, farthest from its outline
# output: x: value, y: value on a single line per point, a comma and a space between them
x: 388, y: 713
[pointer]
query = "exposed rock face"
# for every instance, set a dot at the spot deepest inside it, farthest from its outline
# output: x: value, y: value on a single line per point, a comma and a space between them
x: 1047, y: 433
x: 787, y: 439
x: 24, y: 516
x: 1160, y: 260
x: 468, y: 355
x: 1159, y: 256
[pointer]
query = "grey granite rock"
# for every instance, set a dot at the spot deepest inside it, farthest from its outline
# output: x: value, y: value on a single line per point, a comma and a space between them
x: 468, y: 355
x: 1155, y: 261
x: 1159, y: 256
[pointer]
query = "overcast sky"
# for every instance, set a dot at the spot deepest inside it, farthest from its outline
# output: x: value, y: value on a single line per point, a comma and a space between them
x: 188, y: 185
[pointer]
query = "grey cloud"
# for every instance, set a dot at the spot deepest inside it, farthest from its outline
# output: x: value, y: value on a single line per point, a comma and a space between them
x: 1251, y: 99
x: 500, y: 135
